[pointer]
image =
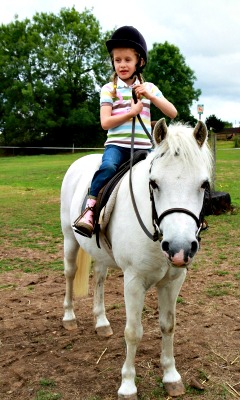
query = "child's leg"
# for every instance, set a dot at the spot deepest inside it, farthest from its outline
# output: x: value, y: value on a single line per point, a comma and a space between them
x: 113, y: 157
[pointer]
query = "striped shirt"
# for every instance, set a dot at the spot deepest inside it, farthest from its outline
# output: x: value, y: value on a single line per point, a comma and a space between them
x: 121, y: 135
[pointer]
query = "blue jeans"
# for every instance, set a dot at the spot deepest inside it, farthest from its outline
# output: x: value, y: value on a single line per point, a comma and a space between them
x: 113, y: 157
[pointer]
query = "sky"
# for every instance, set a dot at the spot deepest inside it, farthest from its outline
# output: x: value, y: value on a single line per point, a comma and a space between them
x: 207, y: 33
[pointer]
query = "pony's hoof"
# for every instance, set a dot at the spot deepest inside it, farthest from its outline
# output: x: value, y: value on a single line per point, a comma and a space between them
x: 70, y: 325
x: 174, y: 389
x: 104, y: 331
x: 131, y: 397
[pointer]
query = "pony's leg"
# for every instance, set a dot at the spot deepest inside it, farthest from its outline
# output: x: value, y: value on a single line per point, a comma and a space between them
x: 134, y: 293
x: 167, y: 297
x: 102, y: 325
x: 71, y: 247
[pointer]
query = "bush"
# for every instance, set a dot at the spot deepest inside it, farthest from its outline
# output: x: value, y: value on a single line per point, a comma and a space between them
x: 237, y: 141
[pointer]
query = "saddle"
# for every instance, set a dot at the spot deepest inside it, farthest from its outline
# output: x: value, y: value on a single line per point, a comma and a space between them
x: 107, y: 190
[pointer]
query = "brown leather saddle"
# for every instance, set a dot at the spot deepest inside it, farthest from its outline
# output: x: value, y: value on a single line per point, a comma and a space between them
x: 106, y: 191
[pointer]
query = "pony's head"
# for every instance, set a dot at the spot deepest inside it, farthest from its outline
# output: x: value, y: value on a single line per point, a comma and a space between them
x: 180, y: 173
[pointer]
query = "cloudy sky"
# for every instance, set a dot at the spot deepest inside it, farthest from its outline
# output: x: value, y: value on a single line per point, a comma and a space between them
x: 207, y: 32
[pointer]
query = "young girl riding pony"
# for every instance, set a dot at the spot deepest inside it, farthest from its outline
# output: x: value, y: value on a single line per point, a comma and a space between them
x: 128, y: 51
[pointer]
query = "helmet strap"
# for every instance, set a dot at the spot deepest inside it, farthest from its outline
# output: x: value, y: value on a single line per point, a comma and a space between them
x: 138, y: 69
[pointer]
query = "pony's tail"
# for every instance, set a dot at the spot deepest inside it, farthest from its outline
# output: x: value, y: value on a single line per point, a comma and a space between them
x: 81, y: 280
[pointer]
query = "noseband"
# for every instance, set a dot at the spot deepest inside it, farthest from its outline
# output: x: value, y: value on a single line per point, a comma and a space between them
x: 156, y: 221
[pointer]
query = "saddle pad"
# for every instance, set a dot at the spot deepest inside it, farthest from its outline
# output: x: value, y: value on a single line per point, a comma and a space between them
x: 106, y: 211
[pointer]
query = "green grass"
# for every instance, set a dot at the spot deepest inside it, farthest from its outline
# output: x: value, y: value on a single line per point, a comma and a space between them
x: 227, y: 167
x: 46, y: 395
x: 30, y: 221
x: 30, y: 200
x: 44, y: 172
x: 222, y: 246
x: 47, y: 382
x: 227, y: 178
x: 220, y: 289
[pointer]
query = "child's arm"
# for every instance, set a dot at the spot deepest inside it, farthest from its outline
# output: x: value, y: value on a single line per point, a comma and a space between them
x: 109, y: 121
x: 165, y: 106
x: 162, y: 103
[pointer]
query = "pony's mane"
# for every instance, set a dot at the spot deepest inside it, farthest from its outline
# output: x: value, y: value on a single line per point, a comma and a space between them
x: 181, y: 142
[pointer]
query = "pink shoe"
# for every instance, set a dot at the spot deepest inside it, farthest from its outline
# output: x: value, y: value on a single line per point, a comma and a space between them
x: 84, y: 224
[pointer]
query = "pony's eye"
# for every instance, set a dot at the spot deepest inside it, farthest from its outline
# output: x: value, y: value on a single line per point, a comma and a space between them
x: 205, y: 185
x: 153, y: 184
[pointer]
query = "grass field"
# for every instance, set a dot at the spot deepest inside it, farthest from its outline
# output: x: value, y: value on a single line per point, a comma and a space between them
x: 227, y: 170
x: 29, y: 201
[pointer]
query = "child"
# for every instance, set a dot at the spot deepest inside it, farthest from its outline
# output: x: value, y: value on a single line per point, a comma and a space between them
x: 128, y: 51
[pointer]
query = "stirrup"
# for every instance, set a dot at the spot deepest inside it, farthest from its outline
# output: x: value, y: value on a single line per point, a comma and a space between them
x: 83, y: 228
x: 82, y: 233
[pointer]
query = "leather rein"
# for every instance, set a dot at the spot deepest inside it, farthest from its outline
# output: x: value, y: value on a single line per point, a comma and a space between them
x: 156, y: 221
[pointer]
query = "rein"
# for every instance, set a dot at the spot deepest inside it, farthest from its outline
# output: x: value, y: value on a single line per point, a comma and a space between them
x: 141, y: 122
x: 157, y: 235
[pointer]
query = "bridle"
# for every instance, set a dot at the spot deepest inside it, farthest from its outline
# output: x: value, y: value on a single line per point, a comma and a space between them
x: 156, y: 220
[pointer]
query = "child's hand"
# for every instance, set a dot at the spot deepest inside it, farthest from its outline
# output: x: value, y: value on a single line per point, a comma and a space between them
x: 141, y: 90
x: 136, y: 108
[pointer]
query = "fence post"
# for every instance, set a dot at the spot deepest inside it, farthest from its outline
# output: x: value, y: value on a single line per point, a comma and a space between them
x: 213, y: 145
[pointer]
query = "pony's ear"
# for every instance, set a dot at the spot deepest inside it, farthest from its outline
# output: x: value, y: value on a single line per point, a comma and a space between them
x: 160, y: 130
x: 200, y: 133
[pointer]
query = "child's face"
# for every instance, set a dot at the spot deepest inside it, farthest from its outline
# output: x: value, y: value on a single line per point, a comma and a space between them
x: 125, y: 61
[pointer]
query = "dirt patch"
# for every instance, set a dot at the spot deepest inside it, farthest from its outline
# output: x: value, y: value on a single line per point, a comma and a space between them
x: 40, y: 360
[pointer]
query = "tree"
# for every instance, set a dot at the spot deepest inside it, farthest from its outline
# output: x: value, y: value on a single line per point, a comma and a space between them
x: 168, y: 70
x: 51, y: 69
x: 214, y: 123
x: 227, y: 124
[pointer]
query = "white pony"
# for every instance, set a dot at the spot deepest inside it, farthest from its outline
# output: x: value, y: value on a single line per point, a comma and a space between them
x: 175, y: 175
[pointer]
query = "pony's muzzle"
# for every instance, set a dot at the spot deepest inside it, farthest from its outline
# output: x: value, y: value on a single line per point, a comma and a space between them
x: 180, y: 256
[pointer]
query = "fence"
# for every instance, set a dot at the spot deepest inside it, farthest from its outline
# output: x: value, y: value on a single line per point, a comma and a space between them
x: 14, y: 150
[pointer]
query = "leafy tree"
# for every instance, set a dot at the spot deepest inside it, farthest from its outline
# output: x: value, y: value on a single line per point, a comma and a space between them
x: 227, y: 124
x: 50, y: 70
x: 168, y: 70
x: 214, y: 123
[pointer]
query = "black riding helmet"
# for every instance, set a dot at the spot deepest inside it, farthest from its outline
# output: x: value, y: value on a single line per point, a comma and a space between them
x: 129, y: 37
